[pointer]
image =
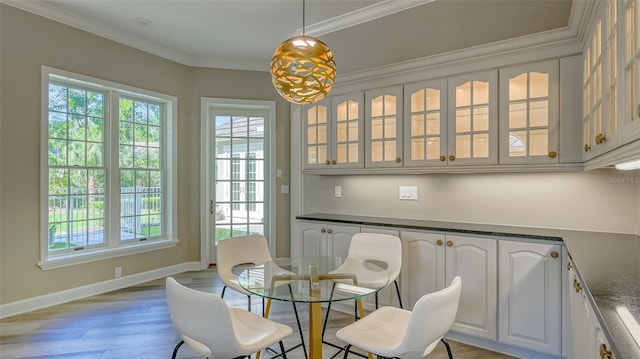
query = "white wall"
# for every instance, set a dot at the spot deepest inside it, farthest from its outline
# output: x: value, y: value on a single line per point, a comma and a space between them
x: 601, y: 200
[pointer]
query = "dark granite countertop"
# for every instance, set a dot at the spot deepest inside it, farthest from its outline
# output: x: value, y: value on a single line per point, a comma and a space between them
x: 607, y: 263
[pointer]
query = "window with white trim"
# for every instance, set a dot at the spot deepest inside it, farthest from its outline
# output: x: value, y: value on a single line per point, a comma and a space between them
x: 108, y: 154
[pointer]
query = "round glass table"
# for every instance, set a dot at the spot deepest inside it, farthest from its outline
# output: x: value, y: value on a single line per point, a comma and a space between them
x: 314, y: 280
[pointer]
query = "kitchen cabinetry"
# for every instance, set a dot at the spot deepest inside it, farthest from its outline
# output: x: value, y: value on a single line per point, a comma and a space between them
x: 473, y: 122
x: 383, y: 127
x: 438, y: 259
x: 333, y: 133
x: 322, y: 239
x: 530, y: 295
x: 586, y: 337
x: 630, y: 124
x: 425, y: 130
x: 529, y: 99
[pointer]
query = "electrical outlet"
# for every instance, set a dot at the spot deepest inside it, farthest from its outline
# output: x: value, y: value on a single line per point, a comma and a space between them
x: 338, y: 191
x: 118, y: 272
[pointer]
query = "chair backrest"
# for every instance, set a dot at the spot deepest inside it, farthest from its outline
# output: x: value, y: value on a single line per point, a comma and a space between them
x: 202, y: 320
x: 382, y: 247
x: 432, y: 317
x: 239, y: 250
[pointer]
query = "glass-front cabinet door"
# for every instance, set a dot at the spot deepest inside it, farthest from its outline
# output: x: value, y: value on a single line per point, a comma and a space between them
x: 425, y: 131
x: 348, y: 131
x: 473, y: 126
x: 529, y: 113
x: 630, y: 125
x: 383, y: 127
x: 316, y: 132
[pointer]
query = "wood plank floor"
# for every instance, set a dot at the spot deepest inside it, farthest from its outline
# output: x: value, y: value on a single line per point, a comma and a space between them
x: 134, y: 323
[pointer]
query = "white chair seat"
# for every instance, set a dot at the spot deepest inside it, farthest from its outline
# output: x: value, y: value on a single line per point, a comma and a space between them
x: 211, y: 328
x: 366, y: 277
x: 397, y: 333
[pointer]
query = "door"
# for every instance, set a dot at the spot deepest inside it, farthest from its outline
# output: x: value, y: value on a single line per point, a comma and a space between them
x: 422, y: 265
x: 475, y: 260
x: 239, y: 167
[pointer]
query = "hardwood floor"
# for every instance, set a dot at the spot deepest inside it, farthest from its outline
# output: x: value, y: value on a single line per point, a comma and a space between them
x: 134, y: 323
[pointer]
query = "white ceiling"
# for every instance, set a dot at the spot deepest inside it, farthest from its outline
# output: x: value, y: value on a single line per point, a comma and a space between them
x: 363, y: 34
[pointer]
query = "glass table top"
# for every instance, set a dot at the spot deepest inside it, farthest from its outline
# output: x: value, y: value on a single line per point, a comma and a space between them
x: 311, y: 279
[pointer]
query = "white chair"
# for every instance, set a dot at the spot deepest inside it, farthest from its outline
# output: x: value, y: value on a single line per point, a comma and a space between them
x: 207, y: 325
x: 241, y: 250
x: 397, y: 333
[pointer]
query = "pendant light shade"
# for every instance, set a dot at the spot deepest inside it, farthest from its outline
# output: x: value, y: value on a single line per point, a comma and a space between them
x: 303, y: 69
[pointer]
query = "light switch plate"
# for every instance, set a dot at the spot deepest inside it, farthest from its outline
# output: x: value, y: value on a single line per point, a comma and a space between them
x: 337, y: 191
x: 408, y: 193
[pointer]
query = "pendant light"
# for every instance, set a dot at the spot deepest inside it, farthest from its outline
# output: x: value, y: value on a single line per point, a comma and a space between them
x: 303, y: 69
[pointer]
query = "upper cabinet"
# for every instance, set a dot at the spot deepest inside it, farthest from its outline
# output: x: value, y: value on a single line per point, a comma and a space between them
x: 630, y: 123
x: 473, y: 122
x: 425, y: 132
x: 529, y: 113
x: 333, y: 133
x: 383, y: 127
x: 611, y: 79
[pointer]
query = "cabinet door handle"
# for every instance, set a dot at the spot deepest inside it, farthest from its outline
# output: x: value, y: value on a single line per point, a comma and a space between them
x: 449, y: 243
x: 452, y: 158
x: 398, y: 159
x: 600, y: 138
x: 329, y: 231
x: 553, y: 154
x: 587, y: 148
x: 323, y: 230
x: 334, y: 162
x: 605, y: 353
x: 576, y: 285
x: 569, y: 266
x: 554, y: 254
x: 439, y: 242
x: 327, y: 162
x: 443, y: 158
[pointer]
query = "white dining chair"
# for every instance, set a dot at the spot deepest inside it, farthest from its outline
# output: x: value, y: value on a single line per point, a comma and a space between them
x: 205, y: 322
x: 391, y: 332
x: 242, y: 250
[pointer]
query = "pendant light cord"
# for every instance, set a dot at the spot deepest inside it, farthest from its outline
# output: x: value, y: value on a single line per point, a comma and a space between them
x: 303, y: 34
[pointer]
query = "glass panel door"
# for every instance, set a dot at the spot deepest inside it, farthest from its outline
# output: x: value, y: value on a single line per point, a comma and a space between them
x: 239, y: 174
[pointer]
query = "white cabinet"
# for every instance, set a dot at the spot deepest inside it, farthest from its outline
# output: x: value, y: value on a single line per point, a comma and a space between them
x: 586, y: 337
x: 383, y: 127
x: 529, y: 104
x: 422, y: 265
x: 333, y: 133
x: 425, y: 130
x: 530, y: 295
x: 322, y: 239
x: 475, y: 260
x: 431, y: 261
x: 630, y: 116
x: 473, y: 119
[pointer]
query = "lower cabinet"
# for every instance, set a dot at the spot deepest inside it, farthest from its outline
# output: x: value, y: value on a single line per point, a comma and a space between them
x: 433, y: 260
x: 530, y: 304
x: 322, y: 239
x: 586, y: 337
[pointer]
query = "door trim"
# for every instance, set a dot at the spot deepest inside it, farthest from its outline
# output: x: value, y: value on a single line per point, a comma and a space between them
x: 206, y: 195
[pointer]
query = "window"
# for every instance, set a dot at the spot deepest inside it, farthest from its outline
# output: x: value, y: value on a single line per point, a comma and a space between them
x: 107, y: 183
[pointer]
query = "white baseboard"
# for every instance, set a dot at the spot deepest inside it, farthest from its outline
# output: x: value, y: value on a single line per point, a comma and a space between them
x: 48, y: 300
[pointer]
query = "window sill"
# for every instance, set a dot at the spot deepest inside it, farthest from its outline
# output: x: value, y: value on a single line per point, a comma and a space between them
x: 92, y: 256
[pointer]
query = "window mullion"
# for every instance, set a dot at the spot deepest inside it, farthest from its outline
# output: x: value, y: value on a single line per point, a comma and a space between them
x: 113, y: 187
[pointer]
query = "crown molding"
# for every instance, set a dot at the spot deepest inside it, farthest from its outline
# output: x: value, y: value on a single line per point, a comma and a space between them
x: 357, y: 17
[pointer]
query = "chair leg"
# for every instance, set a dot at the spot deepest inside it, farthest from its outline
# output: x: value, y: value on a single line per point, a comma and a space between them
x: 295, y: 311
x: 223, y: 289
x: 249, y: 303
x: 448, y: 348
x: 284, y: 352
x: 398, y: 292
x: 376, y: 300
x: 346, y: 351
x: 175, y: 350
